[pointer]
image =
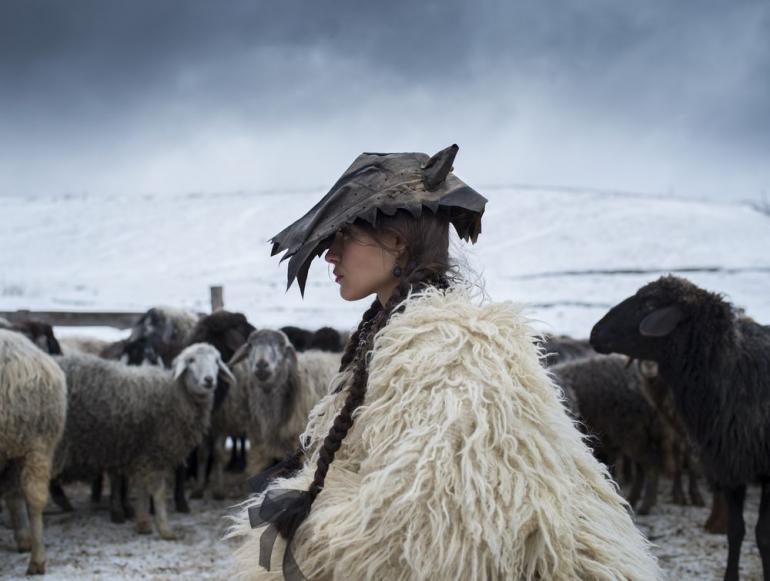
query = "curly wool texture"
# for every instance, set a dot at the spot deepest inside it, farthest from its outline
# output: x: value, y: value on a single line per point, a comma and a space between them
x: 135, y: 419
x: 249, y: 410
x: 462, y: 465
x: 33, y: 400
x: 33, y: 409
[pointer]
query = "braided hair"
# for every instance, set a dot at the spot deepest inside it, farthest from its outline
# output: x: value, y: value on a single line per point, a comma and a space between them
x: 428, y: 266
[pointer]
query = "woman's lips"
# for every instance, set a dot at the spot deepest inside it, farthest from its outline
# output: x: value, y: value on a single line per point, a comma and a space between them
x: 338, y: 278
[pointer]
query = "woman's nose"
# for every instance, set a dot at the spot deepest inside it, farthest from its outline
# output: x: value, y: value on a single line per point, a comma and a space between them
x: 331, y: 257
x: 333, y: 254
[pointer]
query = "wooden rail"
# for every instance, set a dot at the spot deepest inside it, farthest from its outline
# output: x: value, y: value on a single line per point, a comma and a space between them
x: 119, y: 320
x: 116, y: 319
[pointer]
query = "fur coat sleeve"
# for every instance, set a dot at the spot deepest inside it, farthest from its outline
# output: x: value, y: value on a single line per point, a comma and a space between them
x: 461, y: 464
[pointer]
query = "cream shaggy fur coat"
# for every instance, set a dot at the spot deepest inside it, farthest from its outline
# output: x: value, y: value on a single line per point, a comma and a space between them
x: 462, y: 464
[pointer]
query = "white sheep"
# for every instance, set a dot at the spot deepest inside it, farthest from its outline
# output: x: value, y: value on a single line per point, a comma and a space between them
x: 138, y: 421
x: 33, y: 407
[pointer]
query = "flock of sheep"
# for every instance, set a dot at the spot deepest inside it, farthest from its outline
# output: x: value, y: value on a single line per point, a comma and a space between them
x: 145, y: 408
x: 686, y: 394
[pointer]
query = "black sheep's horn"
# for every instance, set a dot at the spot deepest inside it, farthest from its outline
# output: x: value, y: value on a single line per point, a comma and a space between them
x: 438, y: 167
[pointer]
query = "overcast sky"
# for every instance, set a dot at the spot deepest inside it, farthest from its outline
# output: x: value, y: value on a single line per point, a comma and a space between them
x: 160, y: 96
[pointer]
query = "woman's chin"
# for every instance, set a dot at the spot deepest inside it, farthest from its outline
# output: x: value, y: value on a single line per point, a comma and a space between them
x: 349, y: 295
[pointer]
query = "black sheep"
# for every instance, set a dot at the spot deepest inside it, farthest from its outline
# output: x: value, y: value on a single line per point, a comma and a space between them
x: 718, y: 367
x: 299, y: 338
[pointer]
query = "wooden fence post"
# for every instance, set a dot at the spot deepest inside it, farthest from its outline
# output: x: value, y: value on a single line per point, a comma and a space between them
x: 217, y: 298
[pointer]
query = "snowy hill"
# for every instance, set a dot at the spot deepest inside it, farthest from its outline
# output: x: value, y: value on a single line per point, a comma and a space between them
x: 567, y: 255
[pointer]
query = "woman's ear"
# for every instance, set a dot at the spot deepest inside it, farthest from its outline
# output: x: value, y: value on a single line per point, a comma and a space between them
x: 400, y: 247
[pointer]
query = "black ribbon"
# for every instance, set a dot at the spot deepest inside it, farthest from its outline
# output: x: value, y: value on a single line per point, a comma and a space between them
x: 278, y: 503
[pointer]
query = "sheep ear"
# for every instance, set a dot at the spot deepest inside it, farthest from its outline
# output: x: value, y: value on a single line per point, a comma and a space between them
x: 239, y: 355
x: 226, y: 370
x: 661, y: 322
x: 179, y: 368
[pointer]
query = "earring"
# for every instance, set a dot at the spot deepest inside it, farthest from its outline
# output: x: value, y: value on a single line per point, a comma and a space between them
x: 397, y: 271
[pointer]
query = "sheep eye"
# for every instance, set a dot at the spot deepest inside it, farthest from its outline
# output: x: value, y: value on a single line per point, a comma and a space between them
x: 190, y: 360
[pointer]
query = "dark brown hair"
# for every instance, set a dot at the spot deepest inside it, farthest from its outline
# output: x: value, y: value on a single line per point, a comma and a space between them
x: 426, y: 240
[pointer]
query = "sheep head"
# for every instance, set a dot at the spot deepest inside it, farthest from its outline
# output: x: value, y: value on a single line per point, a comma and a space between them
x: 269, y: 357
x: 658, y: 319
x: 197, y: 368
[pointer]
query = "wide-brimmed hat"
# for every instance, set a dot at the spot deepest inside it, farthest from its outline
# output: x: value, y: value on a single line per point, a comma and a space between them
x: 386, y: 183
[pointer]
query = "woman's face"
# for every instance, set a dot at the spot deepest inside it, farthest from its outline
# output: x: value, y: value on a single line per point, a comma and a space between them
x: 361, y: 265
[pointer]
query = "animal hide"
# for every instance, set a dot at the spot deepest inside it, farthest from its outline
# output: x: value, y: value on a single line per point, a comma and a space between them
x: 462, y: 464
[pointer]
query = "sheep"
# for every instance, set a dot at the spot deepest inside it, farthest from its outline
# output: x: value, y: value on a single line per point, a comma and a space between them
x: 613, y: 410
x: 165, y: 331
x: 168, y: 327
x: 137, y: 352
x: 323, y: 339
x: 33, y: 408
x: 299, y: 338
x: 227, y: 331
x: 717, y: 365
x: 5, y: 323
x: 282, y: 387
x: 138, y: 421
x: 270, y: 401
x: 684, y: 458
x: 327, y: 339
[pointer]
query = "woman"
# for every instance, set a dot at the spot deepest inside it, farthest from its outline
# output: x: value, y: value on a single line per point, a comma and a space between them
x: 443, y: 450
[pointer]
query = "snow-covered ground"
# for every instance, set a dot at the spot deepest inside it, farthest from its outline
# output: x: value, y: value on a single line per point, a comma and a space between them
x: 567, y: 255
x: 86, y: 545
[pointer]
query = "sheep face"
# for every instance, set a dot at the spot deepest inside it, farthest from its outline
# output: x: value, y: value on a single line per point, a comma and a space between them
x: 197, y: 367
x: 142, y: 351
x: 269, y: 356
x: 655, y: 320
x: 154, y: 323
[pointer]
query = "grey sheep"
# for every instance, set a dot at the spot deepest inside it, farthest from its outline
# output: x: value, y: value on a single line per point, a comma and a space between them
x: 33, y: 408
x: 717, y: 364
x: 270, y: 401
x: 137, y: 421
x: 612, y: 408
x: 168, y: 329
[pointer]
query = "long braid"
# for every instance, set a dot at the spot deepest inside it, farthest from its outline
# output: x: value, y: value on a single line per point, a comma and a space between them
x: 293, y: 461
x: 360, y: 344
x: 353, y: 344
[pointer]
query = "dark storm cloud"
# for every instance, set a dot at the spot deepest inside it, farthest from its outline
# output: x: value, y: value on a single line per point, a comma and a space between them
x: 80, y: 79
